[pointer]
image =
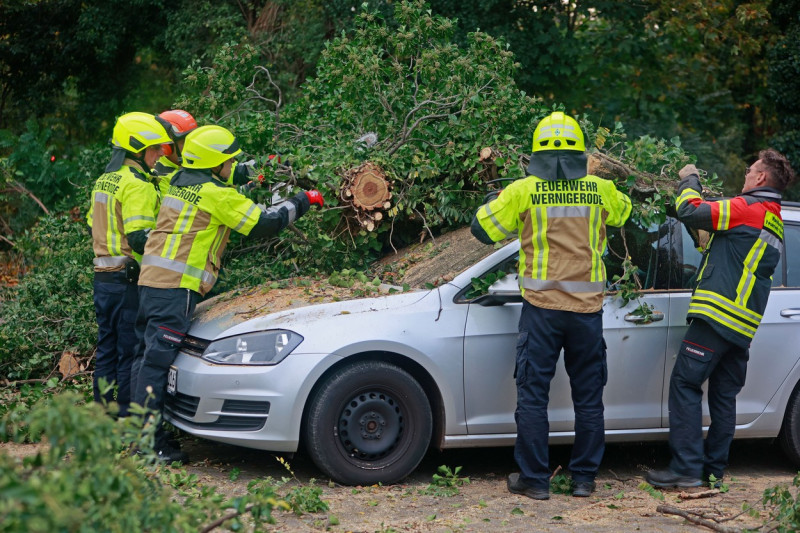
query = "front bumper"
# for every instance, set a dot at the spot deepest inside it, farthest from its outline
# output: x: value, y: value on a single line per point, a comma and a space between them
x: 253, y: 406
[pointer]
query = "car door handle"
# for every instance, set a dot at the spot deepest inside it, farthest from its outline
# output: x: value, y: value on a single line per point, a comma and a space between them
x: 636, y: 318
x: 791, y: 312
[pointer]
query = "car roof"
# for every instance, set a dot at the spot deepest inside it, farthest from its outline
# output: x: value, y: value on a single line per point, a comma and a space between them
x: 790, y: 211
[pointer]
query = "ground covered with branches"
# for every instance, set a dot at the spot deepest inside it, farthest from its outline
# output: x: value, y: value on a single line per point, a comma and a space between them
x: 464, y: 490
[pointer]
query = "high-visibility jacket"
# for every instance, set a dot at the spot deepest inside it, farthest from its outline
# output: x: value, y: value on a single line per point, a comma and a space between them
x: 194, y: 224
x: 561, y: 225
x: 746, y: 243
x: 123, y: 201
x: 165, y: 170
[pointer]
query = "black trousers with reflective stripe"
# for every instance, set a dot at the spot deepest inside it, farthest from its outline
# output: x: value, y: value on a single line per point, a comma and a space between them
x: 704, y: 355
x: 115, y: 303
x: 161, y: 324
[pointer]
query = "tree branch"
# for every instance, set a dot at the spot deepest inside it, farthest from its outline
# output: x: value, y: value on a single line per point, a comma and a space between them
x: 21, y: 188
x: 693, y: 518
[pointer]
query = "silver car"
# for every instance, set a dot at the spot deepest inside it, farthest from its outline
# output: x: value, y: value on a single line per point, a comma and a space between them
x: 366, y: 386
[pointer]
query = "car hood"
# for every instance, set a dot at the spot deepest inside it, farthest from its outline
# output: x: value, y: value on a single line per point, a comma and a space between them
x: 263, y: 308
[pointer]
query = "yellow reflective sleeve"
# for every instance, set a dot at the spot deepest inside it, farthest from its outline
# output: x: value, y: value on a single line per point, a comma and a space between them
x: 235, y: 210
x: 139, y: 201
x: 90, y: 214
x: 686, y: 195
x: 499, y: 217
x: 617, y: 203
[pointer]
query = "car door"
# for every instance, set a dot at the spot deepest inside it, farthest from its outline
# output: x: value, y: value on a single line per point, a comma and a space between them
x: 635, y: 350
x: 776, y: 346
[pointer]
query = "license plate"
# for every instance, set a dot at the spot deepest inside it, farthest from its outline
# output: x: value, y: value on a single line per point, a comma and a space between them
x: 172, y: 380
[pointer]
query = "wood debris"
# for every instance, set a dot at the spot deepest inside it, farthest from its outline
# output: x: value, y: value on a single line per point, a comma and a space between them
x: 366, y: 192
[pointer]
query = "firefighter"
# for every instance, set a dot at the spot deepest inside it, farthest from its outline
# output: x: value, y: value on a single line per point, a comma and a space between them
x: 733, y: 285
x: 559, y: 214
x: 182, y: 258
x: 178, y: 124
x: 124, y: 204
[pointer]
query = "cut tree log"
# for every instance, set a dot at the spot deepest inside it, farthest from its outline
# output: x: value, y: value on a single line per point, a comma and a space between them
x: 365, y: 192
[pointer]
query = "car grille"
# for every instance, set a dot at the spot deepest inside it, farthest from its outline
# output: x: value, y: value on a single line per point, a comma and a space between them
x: 184, y: 407
x: 241, y: 406
x: 194, y: 345
x: 181, y: 405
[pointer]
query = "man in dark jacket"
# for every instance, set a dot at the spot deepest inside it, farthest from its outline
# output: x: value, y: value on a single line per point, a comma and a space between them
x: 728, y: 302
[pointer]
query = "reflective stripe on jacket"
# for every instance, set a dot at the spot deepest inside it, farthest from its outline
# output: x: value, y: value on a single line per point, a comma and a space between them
x: 194, y: 223
x: 122, y: 201
x: 746, y: 243
x: 561, y: 225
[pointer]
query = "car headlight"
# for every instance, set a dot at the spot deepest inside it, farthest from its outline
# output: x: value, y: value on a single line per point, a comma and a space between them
x: 260, y: 348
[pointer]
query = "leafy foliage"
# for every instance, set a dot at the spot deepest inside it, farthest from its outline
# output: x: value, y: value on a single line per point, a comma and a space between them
x: 86, y: 479
x: 561, y: 484
x: 433, y: 105
x: 446, y: 482
x: 481, y: 285
x: 784, y: 69
x: 306, y: 499
x: 53, y: 50
x: 783, y: 507
x: 51, y: 309
x: 652, y: 491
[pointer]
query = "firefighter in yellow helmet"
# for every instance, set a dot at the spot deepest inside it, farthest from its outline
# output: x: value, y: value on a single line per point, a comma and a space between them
x: 123, y: 209
x: 560, y: 214
x: 183, y: 255
x: 178, y: 124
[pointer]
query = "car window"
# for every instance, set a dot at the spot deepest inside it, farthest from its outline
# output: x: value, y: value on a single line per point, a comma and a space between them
x: 791, y: 254
x: 665, y: 255
x: 688, y: 262
x: 648, y: 249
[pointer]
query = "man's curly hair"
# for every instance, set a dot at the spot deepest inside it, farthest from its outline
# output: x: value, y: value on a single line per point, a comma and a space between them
x: 778, y: 168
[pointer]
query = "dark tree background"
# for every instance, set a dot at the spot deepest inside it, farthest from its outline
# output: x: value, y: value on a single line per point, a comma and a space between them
x: 657, y: 83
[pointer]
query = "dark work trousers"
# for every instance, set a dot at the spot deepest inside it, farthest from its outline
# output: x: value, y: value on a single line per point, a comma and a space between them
x: 115, y: 303
x: 163, y: 320
x: 542, y: 335
x: 704, y: 355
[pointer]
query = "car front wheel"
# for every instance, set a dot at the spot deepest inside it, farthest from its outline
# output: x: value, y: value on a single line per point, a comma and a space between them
x: 789, y: 437
x: 369, y: 422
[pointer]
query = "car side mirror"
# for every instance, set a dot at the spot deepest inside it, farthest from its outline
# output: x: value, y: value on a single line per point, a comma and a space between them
x: 503, y: 291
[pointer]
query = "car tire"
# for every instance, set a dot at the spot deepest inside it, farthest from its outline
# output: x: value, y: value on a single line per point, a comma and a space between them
x: 367, y: 423
x: 789, y: 437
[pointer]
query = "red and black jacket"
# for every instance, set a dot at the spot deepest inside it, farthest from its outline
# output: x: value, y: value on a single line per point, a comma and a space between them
x: 746, y: 243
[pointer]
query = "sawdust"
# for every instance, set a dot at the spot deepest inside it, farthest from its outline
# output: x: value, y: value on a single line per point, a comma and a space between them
x: 419, y: 266
x: 436, y: 260
x: 272, y: 297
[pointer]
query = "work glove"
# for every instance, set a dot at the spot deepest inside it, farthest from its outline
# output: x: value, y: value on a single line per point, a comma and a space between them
x: 688, y: 170
x: 250, y: 185
x: 315, y: 197
x: 244, y: 173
